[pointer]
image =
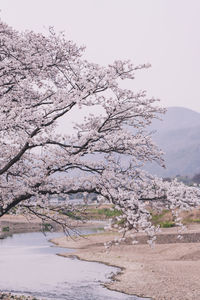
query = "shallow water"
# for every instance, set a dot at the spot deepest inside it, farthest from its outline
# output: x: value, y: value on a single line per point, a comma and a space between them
x: 28, y: 265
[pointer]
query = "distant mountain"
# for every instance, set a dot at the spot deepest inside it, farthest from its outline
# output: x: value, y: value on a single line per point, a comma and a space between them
x: 178, y: 135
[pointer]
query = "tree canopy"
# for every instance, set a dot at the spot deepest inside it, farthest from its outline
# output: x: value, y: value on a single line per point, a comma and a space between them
x: 46, y: 78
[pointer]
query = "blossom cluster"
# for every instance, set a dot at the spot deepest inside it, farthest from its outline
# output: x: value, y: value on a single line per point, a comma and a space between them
x: 42, y: 80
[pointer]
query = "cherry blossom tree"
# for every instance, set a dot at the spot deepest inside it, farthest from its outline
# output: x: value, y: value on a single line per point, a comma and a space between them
x: 44, y: 79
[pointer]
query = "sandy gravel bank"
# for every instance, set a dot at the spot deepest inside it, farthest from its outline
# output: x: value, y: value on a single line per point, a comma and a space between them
x: 170, y: 271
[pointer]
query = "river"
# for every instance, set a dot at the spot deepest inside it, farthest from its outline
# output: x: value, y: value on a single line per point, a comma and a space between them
x: 29, y: 265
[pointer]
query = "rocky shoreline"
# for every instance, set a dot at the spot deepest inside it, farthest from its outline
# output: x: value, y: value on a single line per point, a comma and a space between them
x: 10, y: 296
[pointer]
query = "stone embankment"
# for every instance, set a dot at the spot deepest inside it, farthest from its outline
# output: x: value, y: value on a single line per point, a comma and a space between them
x: 9, y: 296
x: 10, y: 224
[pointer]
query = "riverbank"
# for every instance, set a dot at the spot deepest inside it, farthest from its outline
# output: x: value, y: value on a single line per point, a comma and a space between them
x: 10, y: 224
x: 167, y: 272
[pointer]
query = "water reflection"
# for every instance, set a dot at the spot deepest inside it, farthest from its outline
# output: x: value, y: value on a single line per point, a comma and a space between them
x: 28, y: 264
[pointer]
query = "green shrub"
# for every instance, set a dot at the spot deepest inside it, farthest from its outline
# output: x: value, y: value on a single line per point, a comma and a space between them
x: 109, y: 212
x: 167, y: 224
x: 6, y: 229
x: 190, y: 220
x: 196, y: 220
x: 71, y: 215
x: 121, y: 222
x: 47, y: 227
x: 157, y: 217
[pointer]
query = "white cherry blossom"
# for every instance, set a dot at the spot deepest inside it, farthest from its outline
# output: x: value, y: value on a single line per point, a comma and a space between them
x: 42, y: 79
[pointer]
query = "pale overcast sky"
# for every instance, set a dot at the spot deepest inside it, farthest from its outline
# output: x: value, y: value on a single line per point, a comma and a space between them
x: 164, y: 33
